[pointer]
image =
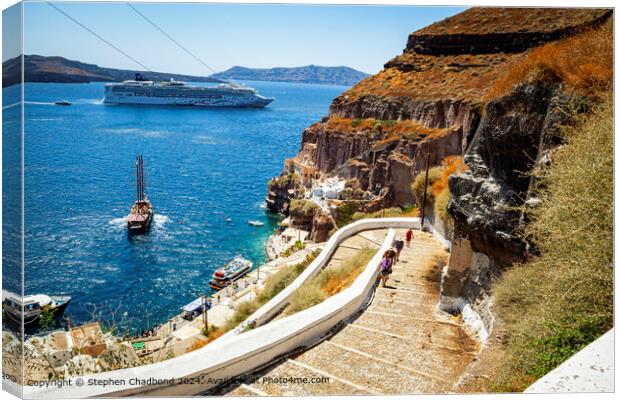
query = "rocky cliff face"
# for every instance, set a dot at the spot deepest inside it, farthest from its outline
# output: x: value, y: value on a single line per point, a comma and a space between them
x: 489, y: 201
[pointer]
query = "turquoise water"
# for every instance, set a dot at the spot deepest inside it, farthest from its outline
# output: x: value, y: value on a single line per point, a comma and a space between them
x: 202, y: 167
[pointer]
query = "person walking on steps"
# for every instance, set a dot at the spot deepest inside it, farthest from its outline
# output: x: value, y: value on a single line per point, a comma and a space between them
x: 398, y: 245
x: 408, y: 236
x: 385, y: 267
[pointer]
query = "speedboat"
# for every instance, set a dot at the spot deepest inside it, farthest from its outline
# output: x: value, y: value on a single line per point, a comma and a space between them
x: 31, y: 307
x: 256, y: 223
x: 63, y: 103
x: 232, y: 271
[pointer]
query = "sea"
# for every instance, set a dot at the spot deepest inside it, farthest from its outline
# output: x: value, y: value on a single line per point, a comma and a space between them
x: 203, y: 166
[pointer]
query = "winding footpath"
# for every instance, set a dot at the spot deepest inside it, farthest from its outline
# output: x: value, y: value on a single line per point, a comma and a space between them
x: 400, y: 344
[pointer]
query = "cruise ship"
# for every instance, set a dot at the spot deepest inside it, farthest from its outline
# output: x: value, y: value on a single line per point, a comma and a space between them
x: 177, y: 93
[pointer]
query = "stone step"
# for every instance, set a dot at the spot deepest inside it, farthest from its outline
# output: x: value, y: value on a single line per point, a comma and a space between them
x: 436, y: 363
x: 366, y: 370
x: 293, y: 378
x: 415, y: 329
x: 407, y: 308
x: 408, y: 296
x: 421, y: 289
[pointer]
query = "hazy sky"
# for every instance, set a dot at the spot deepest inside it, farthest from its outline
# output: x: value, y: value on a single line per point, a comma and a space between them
x: 223, y: 35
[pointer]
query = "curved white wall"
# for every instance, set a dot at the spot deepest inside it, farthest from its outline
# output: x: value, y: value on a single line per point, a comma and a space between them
x: 229, y: 357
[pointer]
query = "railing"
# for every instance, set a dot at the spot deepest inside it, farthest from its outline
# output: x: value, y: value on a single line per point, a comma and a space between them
x: 224, y: 359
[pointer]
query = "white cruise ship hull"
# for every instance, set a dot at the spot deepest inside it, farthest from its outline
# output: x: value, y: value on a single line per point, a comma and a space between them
x: 178, y: 94
x: 162, y: 101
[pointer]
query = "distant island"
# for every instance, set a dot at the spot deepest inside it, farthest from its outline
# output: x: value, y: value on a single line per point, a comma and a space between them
x: 62, y: 70
x: 308, y: 74
x: 59, y: 69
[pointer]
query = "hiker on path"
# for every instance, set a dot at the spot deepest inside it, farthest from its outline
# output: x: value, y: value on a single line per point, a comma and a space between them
x: 385, y: 267
x: 409, y: 236
x: 398, y: 245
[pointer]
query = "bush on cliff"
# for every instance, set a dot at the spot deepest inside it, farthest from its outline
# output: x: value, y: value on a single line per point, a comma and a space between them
x: 562, y: 299
x: 345, y: 213
x: 285, y: 180
x: 303, y: 207
x: 441, y: 206
x: 434, y: 175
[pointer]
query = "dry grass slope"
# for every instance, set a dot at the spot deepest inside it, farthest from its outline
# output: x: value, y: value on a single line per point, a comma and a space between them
x: 583, y: 62
x: 558, y: 302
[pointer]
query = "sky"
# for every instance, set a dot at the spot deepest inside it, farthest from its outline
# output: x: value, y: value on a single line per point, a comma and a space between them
x: 225, y: 35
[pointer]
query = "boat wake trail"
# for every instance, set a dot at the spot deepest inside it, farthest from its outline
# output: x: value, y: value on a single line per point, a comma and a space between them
x: 118, y: 223
x: 40, y: 103
x: 160, y: 220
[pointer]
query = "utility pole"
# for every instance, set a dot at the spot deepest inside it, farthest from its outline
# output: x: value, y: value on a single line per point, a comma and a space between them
x: 428, y: 158
x: 205, y: 319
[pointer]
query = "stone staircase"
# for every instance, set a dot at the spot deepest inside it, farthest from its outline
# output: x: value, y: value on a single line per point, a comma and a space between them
x: 400, y: 344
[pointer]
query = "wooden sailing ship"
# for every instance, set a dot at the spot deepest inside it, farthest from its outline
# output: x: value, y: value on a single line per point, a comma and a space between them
x: 141, y: 215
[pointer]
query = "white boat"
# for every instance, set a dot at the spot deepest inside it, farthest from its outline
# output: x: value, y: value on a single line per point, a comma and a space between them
x: 30, y: 307
x: 233, y: 270
x: 177, y: 93
x: 256, y: 223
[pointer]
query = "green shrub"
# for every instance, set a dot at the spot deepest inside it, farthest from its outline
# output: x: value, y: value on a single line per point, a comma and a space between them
x: 387, y: 212
x: 303, y: 206
x: 242, y: 312
x: 441, y: 206
x: 304, y: 297
x: 344, y: 214
x: 275, y: 283
x: 329, y: 281
x: 562, y: 300
x: 434, y: 174
x: 283, y: 180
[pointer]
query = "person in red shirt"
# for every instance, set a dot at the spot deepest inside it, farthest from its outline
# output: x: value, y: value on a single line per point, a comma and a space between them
x: 409, y: 236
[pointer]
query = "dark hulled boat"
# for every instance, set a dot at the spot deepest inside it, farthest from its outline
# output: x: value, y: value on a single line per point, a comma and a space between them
x: 141, y: 215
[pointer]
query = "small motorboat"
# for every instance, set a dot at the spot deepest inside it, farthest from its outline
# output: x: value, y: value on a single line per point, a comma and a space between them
x: 232, y: 271
x: 256, y: 223
x: 31, y: 307
x: 228, y: 219
x: 63, y: 103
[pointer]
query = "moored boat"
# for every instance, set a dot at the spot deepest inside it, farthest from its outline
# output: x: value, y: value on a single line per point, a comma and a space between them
x: 141, y: 215
x: 232, y: 271
x: 31, y: 307
x: 256, y: 223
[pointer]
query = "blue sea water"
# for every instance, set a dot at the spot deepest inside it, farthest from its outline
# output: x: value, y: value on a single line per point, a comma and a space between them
x: 202, y: 167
